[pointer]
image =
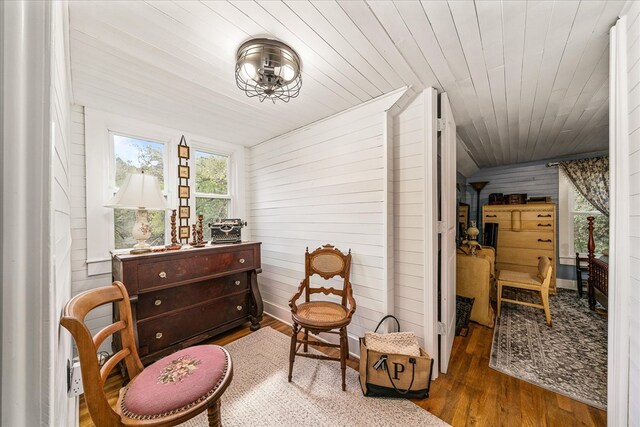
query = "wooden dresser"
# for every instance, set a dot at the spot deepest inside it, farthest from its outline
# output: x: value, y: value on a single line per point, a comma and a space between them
x: 525, y: 232
x: 179, y: 298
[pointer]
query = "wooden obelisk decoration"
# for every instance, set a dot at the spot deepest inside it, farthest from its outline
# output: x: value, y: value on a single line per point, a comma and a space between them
x: 184, y: 191
x: 174, y: 233
x: 199, y: 240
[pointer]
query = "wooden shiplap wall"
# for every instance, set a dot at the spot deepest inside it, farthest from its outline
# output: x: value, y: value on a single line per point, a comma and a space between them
x: 409, y: 211
x: 534, y: 179
x: 326, y: 183
x: 633, y: 84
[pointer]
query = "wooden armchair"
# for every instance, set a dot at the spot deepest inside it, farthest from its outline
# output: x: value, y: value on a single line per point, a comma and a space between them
x: 168, y: 392
x: 323, y: 316
x: 534, y: 282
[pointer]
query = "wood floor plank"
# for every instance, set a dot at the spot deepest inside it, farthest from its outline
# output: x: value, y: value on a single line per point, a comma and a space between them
x: 470, y: 394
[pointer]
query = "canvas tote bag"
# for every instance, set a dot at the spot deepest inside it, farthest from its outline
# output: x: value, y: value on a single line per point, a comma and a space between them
x: 395, y: 368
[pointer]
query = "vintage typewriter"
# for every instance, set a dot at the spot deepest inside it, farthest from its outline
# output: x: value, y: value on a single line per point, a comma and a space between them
x: 227, y: 230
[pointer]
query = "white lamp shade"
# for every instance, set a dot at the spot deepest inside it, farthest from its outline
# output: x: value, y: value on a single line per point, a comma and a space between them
x: 139, y: 191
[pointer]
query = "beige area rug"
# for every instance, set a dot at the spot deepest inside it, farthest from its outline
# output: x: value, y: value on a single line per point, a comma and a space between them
x: 259, y: 394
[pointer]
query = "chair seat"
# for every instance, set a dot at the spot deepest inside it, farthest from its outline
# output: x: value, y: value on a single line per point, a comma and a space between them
x: 518, y: 277
x: 175, y: 383
x: 321, y: 314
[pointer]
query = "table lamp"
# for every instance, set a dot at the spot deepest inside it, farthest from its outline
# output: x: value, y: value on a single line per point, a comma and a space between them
x: 141, y: 192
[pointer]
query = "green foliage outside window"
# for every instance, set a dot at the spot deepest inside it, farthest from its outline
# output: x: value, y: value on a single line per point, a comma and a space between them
x: 211, y: 174
x: 133, y: 156
x: 212, y: 181
x: 581, y: 210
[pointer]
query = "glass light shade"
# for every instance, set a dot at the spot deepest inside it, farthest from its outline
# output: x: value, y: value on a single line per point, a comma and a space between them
x: 139, y: 191
x: 268, y: 69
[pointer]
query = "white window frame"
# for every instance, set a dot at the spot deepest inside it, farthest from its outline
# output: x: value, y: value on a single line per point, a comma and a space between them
x: 231, y: 182
x: 100, y: 173
x: 567, y: 214
x: 114, y: 188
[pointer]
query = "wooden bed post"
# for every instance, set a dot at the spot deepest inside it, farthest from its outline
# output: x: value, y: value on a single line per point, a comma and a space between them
x: 591, y: 246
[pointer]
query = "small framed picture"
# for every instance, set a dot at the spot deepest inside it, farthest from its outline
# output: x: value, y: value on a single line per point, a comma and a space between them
x: 185, y: 212
x: 184, y: 191
x: 184, y: 232
x: 183, y: 151
x: 183, y: 172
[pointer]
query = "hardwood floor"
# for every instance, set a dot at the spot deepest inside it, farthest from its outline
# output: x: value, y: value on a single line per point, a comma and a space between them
x: 470, y: 394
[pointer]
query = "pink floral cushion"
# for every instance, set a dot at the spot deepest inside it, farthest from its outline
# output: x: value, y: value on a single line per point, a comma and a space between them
x: 177, y: 381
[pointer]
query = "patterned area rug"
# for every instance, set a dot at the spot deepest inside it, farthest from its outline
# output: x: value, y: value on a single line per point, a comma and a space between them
x: 569, y: 358
x: 259, y: 394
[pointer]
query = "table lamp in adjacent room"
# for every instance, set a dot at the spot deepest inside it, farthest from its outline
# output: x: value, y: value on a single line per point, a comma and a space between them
x: 141, y: 192
x: 478, y: 186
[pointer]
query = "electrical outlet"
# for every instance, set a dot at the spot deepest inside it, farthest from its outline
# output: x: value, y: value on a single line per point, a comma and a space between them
x: 74, y: 378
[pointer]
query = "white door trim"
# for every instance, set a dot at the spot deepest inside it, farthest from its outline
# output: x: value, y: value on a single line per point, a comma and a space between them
x: 430, y: 227
x: 27, y: 371
x: 620, y: 271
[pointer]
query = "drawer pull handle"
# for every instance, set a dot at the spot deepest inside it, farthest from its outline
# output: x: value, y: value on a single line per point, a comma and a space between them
x: 239, y: 308
x: 162, y: 275
x: 241, y: 260
x: 158, y: 301
x: 544, y: 216
x: 237, y: 282
x: 544, y: 225
x: 491, y: 216
x: 545, y: 241
x: 158, y: 335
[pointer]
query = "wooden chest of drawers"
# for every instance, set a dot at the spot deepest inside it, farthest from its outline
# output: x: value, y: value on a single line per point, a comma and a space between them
x: 179, y: 298
x: 525, y: 232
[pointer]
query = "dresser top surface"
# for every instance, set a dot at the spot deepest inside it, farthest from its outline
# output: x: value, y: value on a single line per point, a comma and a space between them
x: 221, y: 247
x: 526, y: 206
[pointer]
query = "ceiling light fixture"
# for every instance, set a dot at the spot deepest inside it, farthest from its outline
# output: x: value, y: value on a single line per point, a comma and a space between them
x: 268, y: 69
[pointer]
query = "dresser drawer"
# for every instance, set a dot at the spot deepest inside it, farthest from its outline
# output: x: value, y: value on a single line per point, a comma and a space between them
x: 541, y: 225
x: 159, y: 333
x: 526, y: 240
x: 162, y: 273
x: 540, y: 216
x: 161, y: 301
x: 528, y: 257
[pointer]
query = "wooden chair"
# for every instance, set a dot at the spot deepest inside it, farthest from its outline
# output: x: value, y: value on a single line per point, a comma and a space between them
x: 534, y: 282
x: 168, y: 392
x: 582, y: 273
x: 323, y: 316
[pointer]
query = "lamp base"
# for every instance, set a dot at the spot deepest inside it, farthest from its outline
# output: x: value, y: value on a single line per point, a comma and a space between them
x: 140, y: 251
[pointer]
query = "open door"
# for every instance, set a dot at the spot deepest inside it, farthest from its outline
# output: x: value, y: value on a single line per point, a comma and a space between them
x: 447, y: 231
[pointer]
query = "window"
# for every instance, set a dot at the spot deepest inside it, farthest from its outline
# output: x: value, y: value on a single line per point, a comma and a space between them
x: 581, y: 210
x: 133, y: 155
x: 574, y: 231
x: 212, y: 194
x: 117, y: 145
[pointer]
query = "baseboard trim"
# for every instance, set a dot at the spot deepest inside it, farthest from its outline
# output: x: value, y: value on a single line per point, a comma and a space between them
x: 566, y: 284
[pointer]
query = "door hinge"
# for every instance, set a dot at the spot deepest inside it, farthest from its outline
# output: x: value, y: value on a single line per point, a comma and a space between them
x: 442, y: 227
x: 442, y: 328
x: 440, y: 125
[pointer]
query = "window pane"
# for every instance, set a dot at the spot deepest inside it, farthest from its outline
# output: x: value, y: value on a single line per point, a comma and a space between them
x: 580, y: 204
x: 134, y: 155
x: 212, y: 173
x: 581, y: 232
x: 212, y: 209
x: 124, y: 220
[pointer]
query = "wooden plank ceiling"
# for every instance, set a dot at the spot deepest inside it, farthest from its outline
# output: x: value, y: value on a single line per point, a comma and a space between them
x: 526, y: 80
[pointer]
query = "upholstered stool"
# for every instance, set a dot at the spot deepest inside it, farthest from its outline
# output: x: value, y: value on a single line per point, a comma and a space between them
x: 176, y: 382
